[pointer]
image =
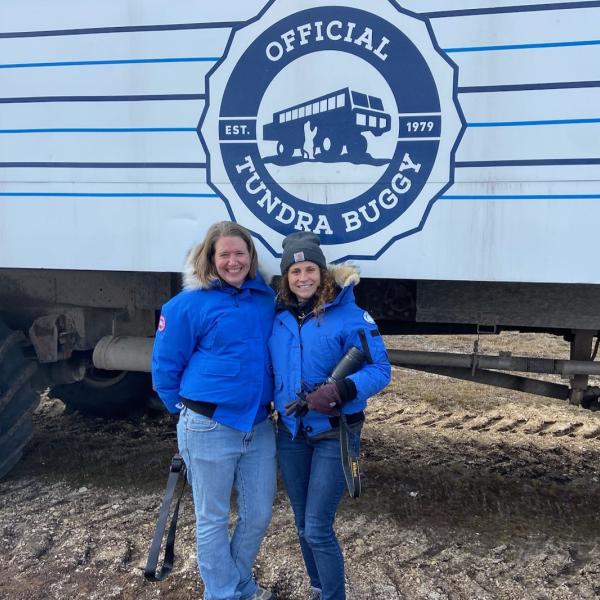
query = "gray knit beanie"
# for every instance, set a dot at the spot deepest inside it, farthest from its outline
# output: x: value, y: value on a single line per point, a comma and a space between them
x: 301, y: 246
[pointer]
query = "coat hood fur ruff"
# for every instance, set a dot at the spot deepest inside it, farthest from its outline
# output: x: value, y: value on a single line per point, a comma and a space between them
x: 190, y: 280
x: 345, y: 274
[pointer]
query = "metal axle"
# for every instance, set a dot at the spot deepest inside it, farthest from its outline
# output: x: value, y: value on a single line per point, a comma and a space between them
x: 503, y: 362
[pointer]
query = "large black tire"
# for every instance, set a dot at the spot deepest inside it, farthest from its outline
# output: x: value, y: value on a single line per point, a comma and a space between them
x: 107, y: 393
x: 18, y: 399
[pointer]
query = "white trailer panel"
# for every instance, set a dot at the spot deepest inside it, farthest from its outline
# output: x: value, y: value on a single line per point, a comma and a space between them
x: 102, y: 166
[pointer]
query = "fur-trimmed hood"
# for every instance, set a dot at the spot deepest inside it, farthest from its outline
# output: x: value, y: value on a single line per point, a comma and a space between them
x: 345, y: 274
x: 190, y: 281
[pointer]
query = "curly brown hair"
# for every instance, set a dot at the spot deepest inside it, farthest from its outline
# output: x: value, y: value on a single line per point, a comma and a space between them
x: 325, y: 293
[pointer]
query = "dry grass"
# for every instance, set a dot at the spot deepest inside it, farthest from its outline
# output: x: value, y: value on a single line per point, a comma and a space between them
x: 529, y: 344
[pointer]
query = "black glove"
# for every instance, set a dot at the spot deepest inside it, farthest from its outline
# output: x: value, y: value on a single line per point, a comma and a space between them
x: 297, y: 407
x: 325, y: 399
x: 346, y: 391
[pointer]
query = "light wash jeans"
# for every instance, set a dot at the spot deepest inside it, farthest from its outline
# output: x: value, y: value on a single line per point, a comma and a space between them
x: 219, y: 458
x: 314, y: 481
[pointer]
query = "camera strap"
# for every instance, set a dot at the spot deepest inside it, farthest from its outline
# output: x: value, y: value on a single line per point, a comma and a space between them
x: 350, y: 462
x: 176, y: 469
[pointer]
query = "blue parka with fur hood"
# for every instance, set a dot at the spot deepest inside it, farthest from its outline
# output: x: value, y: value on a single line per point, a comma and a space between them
x: 310, y: 352
x: 211, y: 346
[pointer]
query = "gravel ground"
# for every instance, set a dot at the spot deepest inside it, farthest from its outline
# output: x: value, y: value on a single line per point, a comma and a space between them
x: 468, y: 492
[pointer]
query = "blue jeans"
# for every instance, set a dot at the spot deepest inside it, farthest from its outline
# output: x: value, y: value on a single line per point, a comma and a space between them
x: 219, y: 458
x: 314, y: 481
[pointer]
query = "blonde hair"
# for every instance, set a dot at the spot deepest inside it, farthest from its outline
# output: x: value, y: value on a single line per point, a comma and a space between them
x: 325, y: 293
x: 202, y: 258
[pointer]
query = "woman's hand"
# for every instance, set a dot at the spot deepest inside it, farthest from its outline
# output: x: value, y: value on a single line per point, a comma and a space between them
x: 325, y: 399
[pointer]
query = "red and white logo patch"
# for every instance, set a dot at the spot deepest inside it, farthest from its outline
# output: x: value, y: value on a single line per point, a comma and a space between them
x: 162, y: 323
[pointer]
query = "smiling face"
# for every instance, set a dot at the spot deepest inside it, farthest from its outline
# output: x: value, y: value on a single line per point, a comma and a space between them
x: 232, y: 260
x: 304, y: 278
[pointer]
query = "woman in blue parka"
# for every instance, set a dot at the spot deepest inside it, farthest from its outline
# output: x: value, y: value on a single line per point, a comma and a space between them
x: 211, y: 364
x: 317, y: 322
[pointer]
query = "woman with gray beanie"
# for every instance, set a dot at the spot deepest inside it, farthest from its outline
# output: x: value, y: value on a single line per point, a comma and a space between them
x: 317, y: 322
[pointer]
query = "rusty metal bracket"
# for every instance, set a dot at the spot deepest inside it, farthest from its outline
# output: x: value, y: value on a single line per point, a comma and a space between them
x: 53, y: 337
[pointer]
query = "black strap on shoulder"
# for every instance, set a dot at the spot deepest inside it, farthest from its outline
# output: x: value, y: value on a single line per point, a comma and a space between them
x: 365, y: 345
x: 176, y: 469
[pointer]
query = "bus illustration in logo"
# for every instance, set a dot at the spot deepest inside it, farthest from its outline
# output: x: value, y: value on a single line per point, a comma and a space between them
x: 337, y: 118
x: 328, y: 128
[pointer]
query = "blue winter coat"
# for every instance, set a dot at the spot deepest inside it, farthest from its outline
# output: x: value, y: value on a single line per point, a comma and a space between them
x: 310, y: 353
x: 211, y: 345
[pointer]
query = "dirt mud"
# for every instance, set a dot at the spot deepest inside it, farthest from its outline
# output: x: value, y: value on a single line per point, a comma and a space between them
x: 469, y: 492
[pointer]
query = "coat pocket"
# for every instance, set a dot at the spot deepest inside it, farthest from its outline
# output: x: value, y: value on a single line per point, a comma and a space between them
x: 220, y: 367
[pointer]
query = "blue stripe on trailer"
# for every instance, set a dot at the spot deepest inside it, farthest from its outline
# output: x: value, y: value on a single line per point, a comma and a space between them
x: 102, y: 130
x: 468, y: 12
x: 124, y: 29
x: 522, y: 46
x: 521, y: 197
x: 535, y: 162
x: 102, y: 195
x: 525, y: 87
x: 127, y: 61
x: 124, y: 98
x: 529, y: 123
x: 102, y: 165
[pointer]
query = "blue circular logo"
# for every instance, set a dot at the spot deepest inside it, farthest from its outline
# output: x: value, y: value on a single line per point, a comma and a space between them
x: 328, y: 120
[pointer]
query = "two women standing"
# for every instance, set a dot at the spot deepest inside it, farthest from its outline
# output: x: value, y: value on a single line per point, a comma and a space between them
x: 212, y: 362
